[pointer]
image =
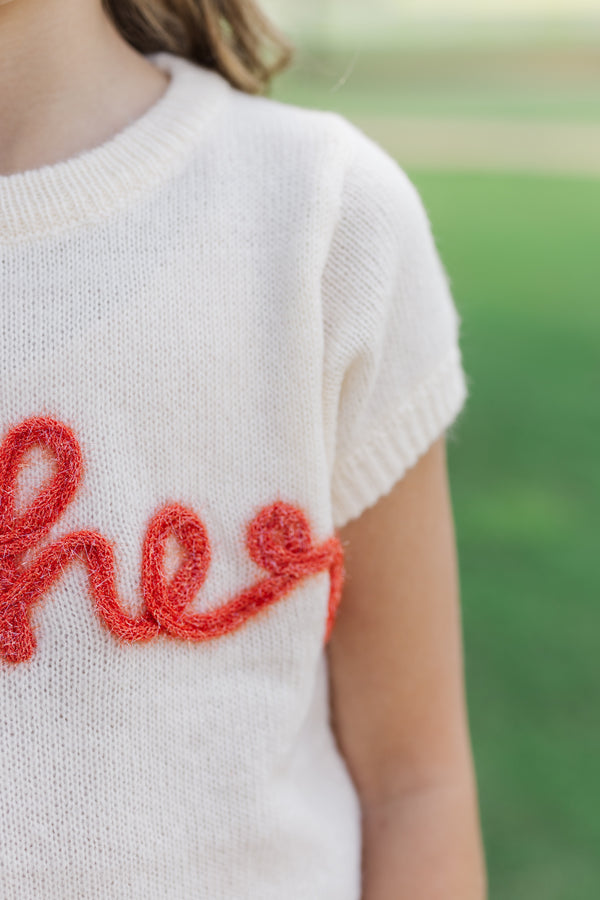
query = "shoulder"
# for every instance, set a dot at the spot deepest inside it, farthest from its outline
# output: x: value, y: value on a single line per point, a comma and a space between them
x: 286, y: 125
x: 322, y: 139
x: 368, y: 188
x: 284, y: 142
x: 309, y: 165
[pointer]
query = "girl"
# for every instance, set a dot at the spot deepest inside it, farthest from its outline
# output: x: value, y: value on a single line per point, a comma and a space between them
x: 230, y: 658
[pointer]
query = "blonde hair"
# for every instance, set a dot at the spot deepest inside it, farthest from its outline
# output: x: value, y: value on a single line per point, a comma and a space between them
x: 229, y: 36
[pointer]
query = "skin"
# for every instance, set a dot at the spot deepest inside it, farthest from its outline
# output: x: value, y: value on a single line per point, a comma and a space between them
x: 395, y: 655
x: 68, y: 81
x: 398, y: 694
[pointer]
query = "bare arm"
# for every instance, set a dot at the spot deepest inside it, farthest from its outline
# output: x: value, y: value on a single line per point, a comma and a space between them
x: 398, y: 695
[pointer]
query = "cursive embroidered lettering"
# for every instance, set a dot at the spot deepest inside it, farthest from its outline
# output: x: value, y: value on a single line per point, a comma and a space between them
x: 278, y: 539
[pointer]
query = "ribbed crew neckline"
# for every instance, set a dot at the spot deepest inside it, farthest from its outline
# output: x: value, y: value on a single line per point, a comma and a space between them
x: 93, y: 183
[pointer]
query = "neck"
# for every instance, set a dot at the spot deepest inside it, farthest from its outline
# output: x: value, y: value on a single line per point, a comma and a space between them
x: 68, y: 81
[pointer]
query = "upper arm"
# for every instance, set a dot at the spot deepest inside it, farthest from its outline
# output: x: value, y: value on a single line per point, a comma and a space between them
x: 395, y: 654
x: 393, y: 384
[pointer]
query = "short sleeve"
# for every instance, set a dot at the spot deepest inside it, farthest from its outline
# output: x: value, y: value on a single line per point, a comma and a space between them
x: 393, y: 375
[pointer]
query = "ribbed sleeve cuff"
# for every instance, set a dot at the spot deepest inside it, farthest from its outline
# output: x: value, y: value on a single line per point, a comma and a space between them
x: 372, y: 469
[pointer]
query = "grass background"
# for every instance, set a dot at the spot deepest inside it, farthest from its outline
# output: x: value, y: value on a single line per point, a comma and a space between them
x: 495, y: 78
x: 522, y: 255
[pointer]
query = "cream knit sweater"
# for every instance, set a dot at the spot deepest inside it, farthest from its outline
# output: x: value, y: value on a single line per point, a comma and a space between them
x: 225, y: 332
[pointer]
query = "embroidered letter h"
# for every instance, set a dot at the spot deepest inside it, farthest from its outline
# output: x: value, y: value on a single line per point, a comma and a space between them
x: 278, y: 539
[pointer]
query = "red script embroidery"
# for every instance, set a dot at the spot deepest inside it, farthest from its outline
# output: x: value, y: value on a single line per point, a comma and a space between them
x: 278, y: 539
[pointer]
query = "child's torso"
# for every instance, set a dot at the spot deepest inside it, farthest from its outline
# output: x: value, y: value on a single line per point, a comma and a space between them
x: 165, y: 712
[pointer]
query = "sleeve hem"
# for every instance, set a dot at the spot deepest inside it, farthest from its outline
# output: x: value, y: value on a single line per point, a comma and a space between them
x: 370, y: 471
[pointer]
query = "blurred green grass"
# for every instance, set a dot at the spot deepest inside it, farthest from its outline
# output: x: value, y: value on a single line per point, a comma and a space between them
x: 522, y: 255
x: 521, y: 252
x: 499, y: 81
x: 493, y: 101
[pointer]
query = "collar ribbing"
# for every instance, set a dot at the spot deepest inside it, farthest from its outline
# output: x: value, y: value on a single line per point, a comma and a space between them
x: 91, y: 184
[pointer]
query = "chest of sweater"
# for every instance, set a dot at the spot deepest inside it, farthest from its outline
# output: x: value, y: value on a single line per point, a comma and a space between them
x: 167, y: 558
x: 168, y: 563
x: 189, y: 385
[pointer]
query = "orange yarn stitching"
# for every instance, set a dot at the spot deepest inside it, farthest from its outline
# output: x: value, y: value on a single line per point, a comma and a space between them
x: 278, y: 539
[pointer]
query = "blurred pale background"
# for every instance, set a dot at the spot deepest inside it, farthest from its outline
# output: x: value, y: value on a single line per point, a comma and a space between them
x: 493, y: 108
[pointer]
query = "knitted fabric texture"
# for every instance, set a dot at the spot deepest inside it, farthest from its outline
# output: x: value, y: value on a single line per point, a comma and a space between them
x: 278, y: 539
x: 225, y: 333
